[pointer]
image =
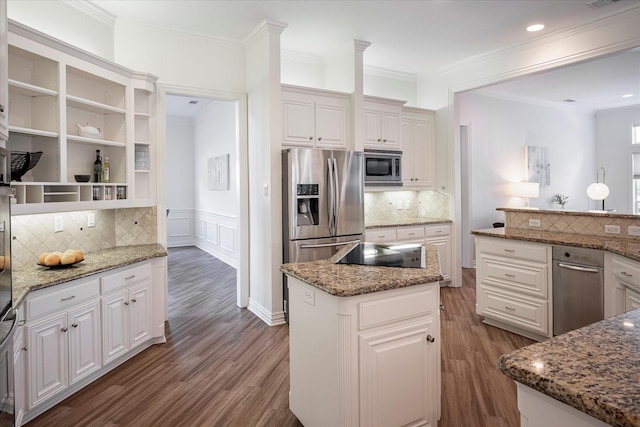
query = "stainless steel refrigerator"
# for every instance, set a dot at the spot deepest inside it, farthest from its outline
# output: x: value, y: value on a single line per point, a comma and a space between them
x: 323, y: 203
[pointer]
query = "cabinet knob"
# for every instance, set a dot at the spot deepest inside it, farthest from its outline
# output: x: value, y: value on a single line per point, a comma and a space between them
x: 384, y: 140
x: 126, y: 303
x: 430, y: 338
x: 65, y: 329
x: 75, y: 325
x: 319, y: 138
x: 1, y: 108
x: 133, y: 300
x: 441, y: 307
x: 24, y: 348
x: 310, y: 138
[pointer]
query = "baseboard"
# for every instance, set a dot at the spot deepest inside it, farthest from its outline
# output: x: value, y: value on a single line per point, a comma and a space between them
x: 271, y: 319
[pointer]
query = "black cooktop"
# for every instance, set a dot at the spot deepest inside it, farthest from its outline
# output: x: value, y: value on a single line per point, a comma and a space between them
x: 394, y: 255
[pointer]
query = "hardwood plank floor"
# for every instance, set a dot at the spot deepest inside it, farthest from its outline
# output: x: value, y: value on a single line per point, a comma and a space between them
x: 222, y: 366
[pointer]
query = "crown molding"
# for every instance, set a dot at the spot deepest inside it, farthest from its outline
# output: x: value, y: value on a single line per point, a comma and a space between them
x: 576, y: 108
x: 266, y: 26
x: 93, y: 10
x: 390, y: 74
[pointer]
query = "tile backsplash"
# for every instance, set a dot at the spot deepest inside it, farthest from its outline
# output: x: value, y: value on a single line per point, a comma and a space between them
x: 33, y: 234
x: 402, y: 205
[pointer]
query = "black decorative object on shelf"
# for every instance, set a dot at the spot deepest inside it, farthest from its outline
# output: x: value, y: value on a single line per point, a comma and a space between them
x: 23, y: 162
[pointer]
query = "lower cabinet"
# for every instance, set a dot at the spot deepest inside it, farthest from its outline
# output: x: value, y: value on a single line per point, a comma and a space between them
x: 622, y: 284
x: 366, y: 360
x: 513, y: 286
x: 19, y: 379
x: 77, y: 331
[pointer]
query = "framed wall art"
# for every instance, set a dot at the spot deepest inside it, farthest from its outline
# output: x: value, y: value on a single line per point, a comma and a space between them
x: 218, y: 168
x: 538, y: 165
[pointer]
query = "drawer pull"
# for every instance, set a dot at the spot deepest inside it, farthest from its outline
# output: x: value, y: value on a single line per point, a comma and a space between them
x: 509, y: 308
x: 130, y: 277
x: 624, y: 273
x: 68, y: 298
x: 24, y: 348
x: 512, y: 276
x: 510, y: 250
x: 430, y: 338
x: 133, y: 300
x: 65, y: 329
x: 75, y: 325
x: 412, y: 234
x: 438, y: 231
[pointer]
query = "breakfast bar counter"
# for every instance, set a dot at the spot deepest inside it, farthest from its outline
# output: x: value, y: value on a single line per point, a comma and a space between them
x: 593, y: 369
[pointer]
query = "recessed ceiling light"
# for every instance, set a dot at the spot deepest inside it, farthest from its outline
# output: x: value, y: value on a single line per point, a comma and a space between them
x: 193, y: 101
x: 535, y: 27
x: 568, y: 100
x: 627, y: 95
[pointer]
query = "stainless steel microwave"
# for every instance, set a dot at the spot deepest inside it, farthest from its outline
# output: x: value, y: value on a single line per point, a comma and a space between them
x: 383, y: 168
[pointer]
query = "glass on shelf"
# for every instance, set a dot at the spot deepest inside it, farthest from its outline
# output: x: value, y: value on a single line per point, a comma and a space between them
x: 142, y: 160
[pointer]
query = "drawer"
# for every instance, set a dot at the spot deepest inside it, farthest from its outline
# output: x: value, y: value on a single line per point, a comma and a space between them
x: 381, y: 235
x: 437, y: 230
x: 62, y: 299
x: 398, y: 308
x: 531, y: 315
x: 125, y: 278
x: 514, y: 249
x: 521, y: 277
x: 410, y: 233
x: 626, y: 272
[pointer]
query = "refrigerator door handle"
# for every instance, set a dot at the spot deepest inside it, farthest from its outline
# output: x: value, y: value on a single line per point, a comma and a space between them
x: 328, y: 245
x: 332, y: 198
x: 336, y: 187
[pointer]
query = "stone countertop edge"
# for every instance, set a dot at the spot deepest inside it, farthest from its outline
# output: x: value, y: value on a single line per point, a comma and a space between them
x: 593, y: 369
x: 592, y: 213
x: 408, y: 221
x: 629, y: 248
x: 32, y: 278
x: 346, y: 280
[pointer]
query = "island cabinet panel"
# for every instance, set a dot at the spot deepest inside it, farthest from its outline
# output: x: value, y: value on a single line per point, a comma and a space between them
x: 622, y: 284
x: 513, y: 286
x: 362, y: 360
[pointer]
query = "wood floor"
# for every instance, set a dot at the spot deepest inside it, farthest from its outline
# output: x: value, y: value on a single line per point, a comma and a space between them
x: 222, y: 366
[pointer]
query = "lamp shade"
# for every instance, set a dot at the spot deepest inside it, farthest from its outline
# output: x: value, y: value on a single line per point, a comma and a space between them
x: 598, y: 191
x: 525, y: 189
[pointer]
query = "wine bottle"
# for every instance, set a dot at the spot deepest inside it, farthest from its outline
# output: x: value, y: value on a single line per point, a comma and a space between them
x: 105, y: 170
x: 97, y: 168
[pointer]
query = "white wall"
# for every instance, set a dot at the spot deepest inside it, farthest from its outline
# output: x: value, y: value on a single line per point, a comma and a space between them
x: 392, y: 85
x: 613, y: 153
x: 499, y: 131
x: 69, y: 22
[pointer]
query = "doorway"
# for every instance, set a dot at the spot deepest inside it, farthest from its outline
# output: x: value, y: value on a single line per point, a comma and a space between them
x: 202, y: 175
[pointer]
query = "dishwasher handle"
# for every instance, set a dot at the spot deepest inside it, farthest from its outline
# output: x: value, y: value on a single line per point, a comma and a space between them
x: 577, y: 268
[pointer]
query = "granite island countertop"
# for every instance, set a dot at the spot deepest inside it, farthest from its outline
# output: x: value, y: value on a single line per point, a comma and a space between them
x: 34, y: 277
x: 345, y: 280
x: 629, y: 248
x: 406, y: 221
x: 595, y: 369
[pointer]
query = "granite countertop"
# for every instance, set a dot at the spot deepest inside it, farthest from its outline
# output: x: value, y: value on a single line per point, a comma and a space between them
x: 592, y: 213
x: 629, y: 248
x: 594, y: 369
x: 345, y: 280
x: 32, y: 278
x: 406, y: 221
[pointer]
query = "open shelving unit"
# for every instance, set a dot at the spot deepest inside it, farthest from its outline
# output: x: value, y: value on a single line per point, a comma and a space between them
x: 54, y: 89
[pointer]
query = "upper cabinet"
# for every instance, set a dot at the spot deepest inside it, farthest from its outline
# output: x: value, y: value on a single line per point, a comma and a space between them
x: 418, y: 148
x: 65, y: 105
x: 4, y: 98
x: 382, y: 123
x: 315, y: 118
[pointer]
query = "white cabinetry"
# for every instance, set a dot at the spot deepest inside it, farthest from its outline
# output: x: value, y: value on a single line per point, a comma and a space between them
x: 418, y: 148
x: 622, y: 284
x: 513, y: 286
x: 4, y: 98
x: 366, y: 360
x: 314, y: 118
x: 76, y: 332
x: 438, y: 235
x: 54, y: 89
x: 127, y: 316
x: 19, y: 375
x: 382, y: 123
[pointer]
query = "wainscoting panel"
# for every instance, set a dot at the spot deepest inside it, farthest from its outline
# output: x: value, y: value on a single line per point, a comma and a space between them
x: 217, y: 234
x: 180, y: 228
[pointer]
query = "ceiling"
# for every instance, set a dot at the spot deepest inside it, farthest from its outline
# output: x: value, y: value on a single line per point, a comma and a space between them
x: 418, y: 37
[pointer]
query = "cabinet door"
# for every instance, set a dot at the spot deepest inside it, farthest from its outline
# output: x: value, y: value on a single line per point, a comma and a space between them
x: 390, y: 129
x: 298, y: 127
x: 406, y: 128
x: 48, y: 358
x: 398, y: 378
x: 140, y: 313
x: 19, y: 377
x: 422, y: 154
x: 4, y: 75
x: 331, y: 123
x: 84, y: 341
x: 115, y: 326
x: 372, y: 132
x: 631, y: 299
x: 444, y: 254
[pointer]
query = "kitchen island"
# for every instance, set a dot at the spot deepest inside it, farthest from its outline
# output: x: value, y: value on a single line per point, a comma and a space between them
x: 587, y: 377
x: 364, y: 343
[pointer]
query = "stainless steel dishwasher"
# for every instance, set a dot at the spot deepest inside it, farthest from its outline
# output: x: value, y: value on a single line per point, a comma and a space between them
x: 578, y: 288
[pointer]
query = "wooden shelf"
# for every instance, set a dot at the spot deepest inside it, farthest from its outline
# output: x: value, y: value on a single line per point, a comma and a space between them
x: 95, y: 107
x: 27, y: 89
x: 33, y: 132
x: 94, y: 141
